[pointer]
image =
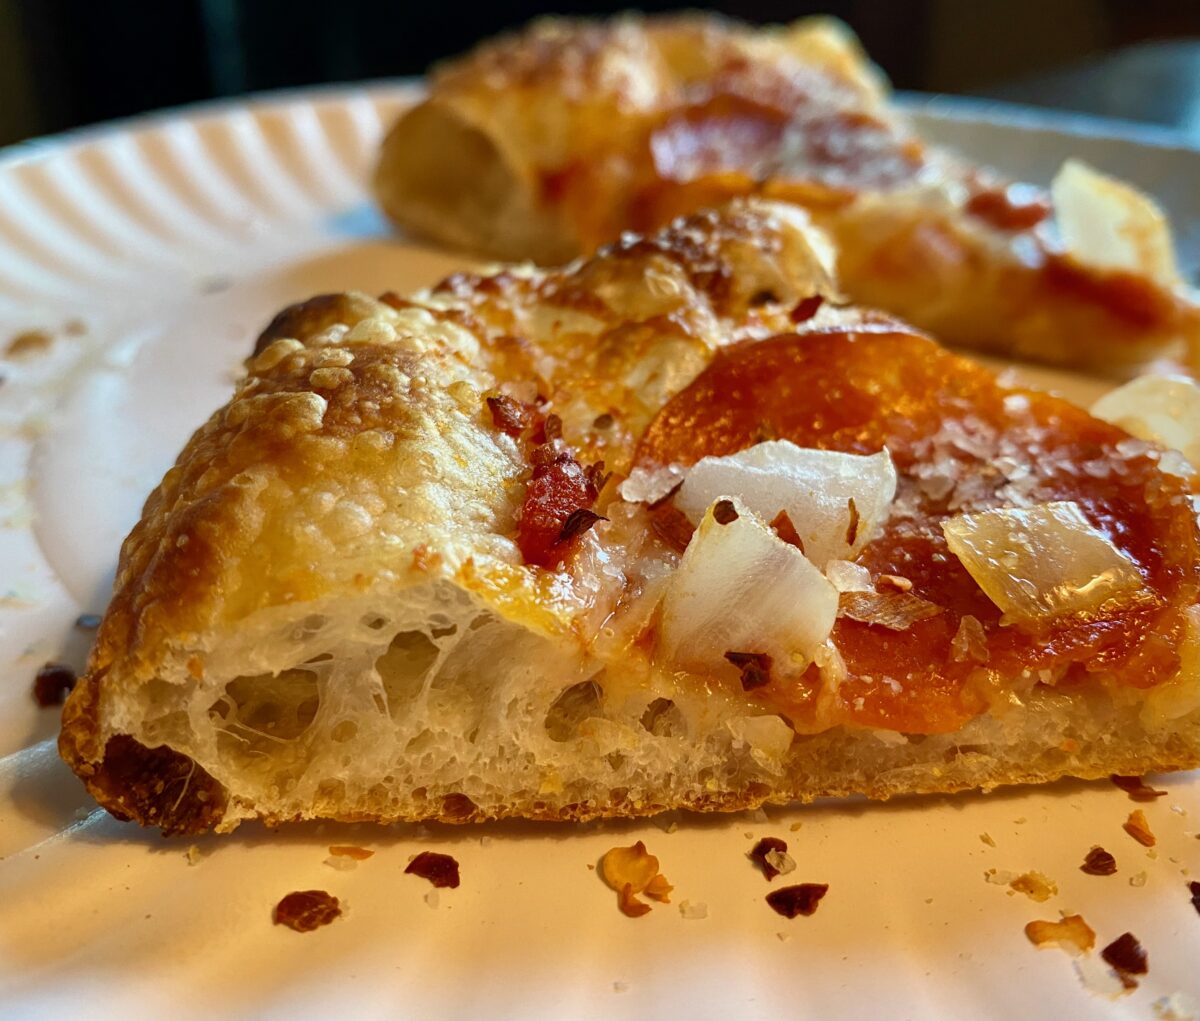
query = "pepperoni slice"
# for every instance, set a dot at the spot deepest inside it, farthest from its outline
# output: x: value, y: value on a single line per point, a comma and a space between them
x: 960, y: 442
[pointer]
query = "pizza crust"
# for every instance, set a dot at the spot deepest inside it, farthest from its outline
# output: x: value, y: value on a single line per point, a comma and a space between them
x: 323, y: 612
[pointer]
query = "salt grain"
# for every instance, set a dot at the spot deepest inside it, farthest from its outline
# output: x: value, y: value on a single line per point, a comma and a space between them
x: 1097, y: 977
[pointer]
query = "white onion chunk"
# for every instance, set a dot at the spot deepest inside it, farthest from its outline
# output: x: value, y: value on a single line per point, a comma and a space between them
x: 1162, y: 409
x: 740, y: 588
x: 1038, y: 563
x: 814, y: 487
x: 1109, y: 225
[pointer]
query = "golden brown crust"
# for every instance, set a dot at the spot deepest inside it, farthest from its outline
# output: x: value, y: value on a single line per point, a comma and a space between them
x: 359, y: 439
x: 815, y: 772
x: 308, y: 318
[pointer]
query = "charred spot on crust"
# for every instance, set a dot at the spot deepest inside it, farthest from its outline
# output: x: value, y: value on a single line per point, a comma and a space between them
x: 303, y: 318
x: 157, y: 787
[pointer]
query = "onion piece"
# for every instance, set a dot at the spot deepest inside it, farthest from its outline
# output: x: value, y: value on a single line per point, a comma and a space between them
x: 740, y: 588
x: 1163, y: 409
x: 848, y: 577
x: 815, y: 487
x: 1109, y: 225
x: 1040, y: 562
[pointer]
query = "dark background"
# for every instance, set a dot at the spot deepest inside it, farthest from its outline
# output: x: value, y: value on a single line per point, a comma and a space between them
x: 64, y: 63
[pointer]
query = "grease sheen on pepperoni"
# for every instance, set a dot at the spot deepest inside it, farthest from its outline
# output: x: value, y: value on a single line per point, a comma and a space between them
x: 960, y: 441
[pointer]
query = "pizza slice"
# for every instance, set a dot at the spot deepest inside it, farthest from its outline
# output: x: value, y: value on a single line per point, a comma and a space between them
x: 544, y: 144
x: 666, y: 528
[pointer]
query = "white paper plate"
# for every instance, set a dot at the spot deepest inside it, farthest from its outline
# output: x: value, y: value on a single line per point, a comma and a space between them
x: 171, y: 241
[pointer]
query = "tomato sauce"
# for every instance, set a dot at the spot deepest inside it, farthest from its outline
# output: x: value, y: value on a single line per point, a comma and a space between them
x: 960, y: 442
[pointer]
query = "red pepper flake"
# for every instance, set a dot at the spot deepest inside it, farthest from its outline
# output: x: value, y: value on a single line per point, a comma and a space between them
x: 1136, y: 788
x: 306, y: 910
x: 1137, y: 827
x: 1099, y: 863
x: 806, y: 308
x: 350, y: 851
x: 758, y: 855
x: 52, y: 684
x: 634, y: 870
x: 1126, y: 956
x: 553, y: 427
x: 852, y: 528
x: 510, y: 417
x: 802, y: 899
x: 672, y: 526
x: 597, y: 476
x: 724, y: 512
x: 782, y: 524
x: 439, y: 869
x: 755, y: 668
x: 578, y: 522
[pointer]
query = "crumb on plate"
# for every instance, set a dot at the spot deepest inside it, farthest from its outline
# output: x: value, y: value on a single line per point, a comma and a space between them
x: 440, y: 869
x: 1138, y: 828
x: 305, y: 910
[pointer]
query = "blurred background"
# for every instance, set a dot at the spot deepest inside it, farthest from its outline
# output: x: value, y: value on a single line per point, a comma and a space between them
x: 65, y: 63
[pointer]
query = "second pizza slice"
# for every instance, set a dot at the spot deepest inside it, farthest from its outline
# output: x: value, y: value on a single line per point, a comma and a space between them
x: 546, y: 143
